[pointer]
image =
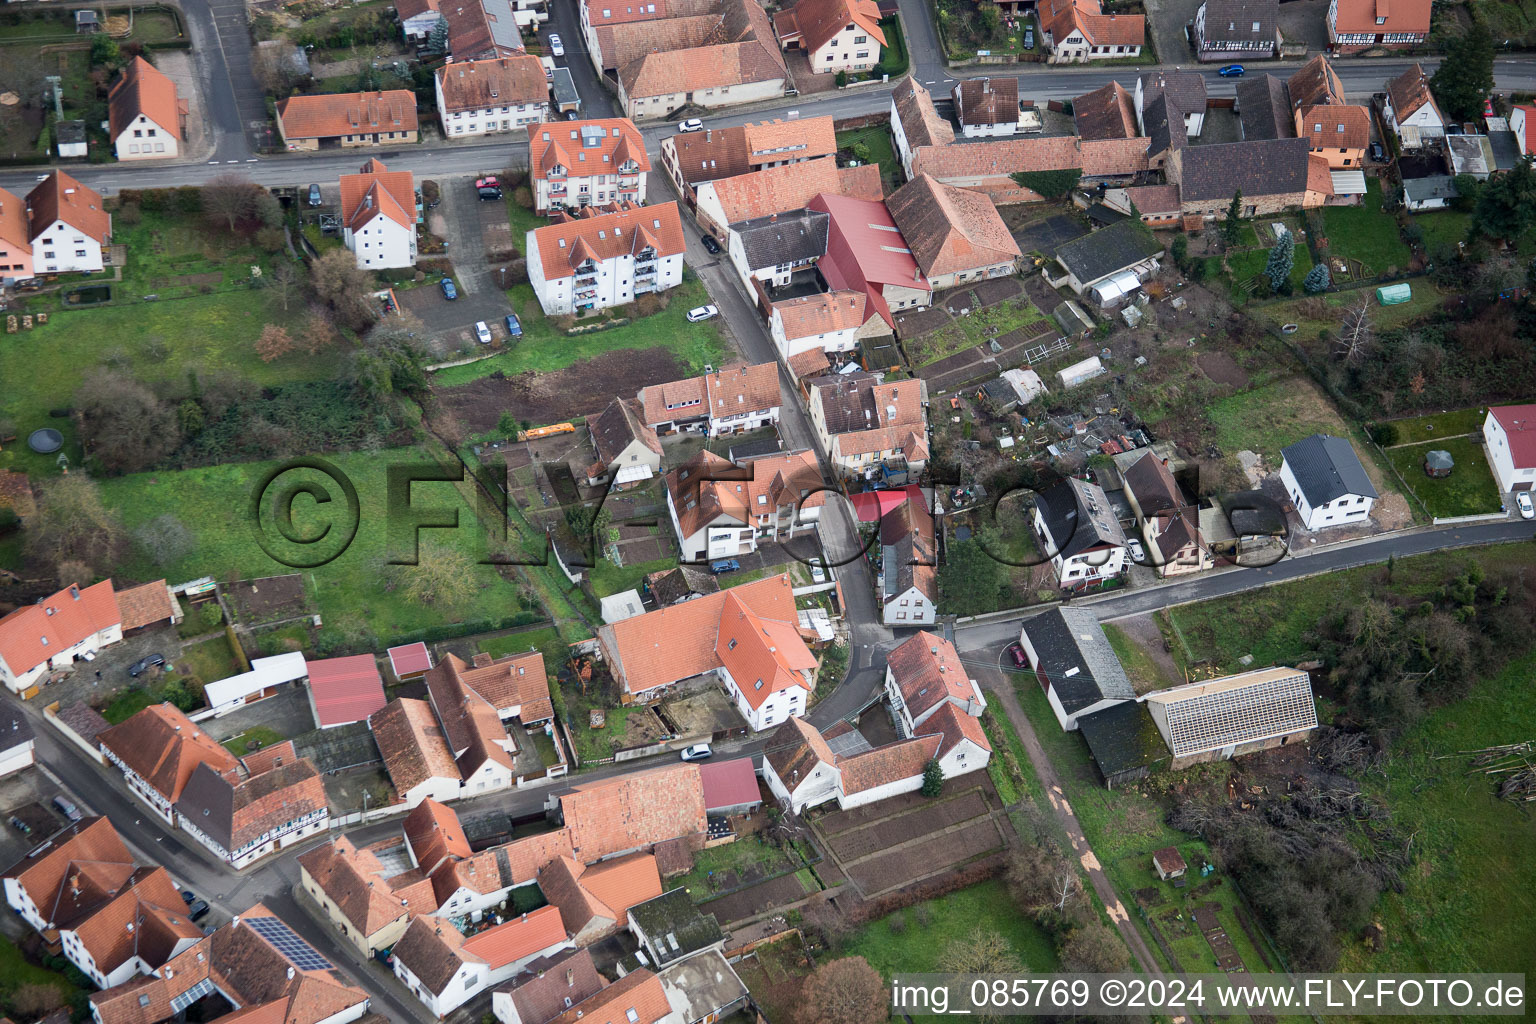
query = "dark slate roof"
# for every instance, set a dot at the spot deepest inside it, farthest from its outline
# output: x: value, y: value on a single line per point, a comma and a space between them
x: 1439, y: 186
x: 1165, y: 126
x: 14, y: 727
x: 1122, y: 738
x: 1233, y: 20
x: 675, y: 926
x: 1078, y: 516
x: 1253, y: 514
x: 1264, y: 107
x: 783, y: 238
x: 1506, y: 149
x: 1326, y: 467
x: 1076, y: 658
x: 1110, y: 249
x: 757, y: 448
x: 673, y: 585
x: 1260, y: 168
x: 1185, y: 90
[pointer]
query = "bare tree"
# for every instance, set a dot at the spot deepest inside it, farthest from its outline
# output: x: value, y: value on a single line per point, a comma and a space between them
x: 341, y: 284
x: 229, y: 198
x: 1094, y: 948
x: 846, y: 991
x: 319, y: 330
x: 164, y: 538
x: 274, y: 343
x: 282, y: 279
x: 72, y: 524
x: 123, y: 423
x: 1355, y: 335
x: 442, y: 577
x: 1064, y: 887
x: 981, y: 952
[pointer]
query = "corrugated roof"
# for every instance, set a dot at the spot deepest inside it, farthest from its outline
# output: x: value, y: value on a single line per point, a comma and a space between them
x: 729, y: 783
x: 346, y: 689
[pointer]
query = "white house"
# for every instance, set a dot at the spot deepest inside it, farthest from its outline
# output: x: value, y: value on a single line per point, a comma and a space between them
x: 489, y: 97
x: 67, y: 226
x: 767, y: 674
x: 52, y: 633
x: 378, y: 216
x: 915, y: 123
x: 1509, y: 433
x: 1079, y: 30
x: 1078, y: 528
x: 836, y: 35
x: 722, y: 510
x: 922, y: 674
x: 16, y: 741
x: 417, y: 18
x: 145, y: 115
x: 146, y: 906
x: 586, y: 163
x: 275, y: 800
x: 1410, y: 109
x: 606, y: 260
x: 444, y: 969
x: 1324, y: 478
x: 829, y: 321
x: 989, y: 107
x: 1074, y: 663
x: 770, y: 250
x: 1236, y: 30
x: 734, y: 399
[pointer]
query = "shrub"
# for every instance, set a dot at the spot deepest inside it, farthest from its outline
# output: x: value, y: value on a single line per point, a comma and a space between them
x: 1386, y: 434
x: 129, y: 215
x: 523, y: 196
x: 517, y: 272
x: 933, y: 778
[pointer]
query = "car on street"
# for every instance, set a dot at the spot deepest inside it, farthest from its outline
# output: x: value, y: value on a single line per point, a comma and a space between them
x: 697, y: 752
x: 488, y: 188
x: 693, y: 124
x: 1524, y: 504
x: 1377, y: 153
x: 1231, y: 71
x: 1016, y: 654
x: 67, y: 808
x: 721, y: 565
x: 449, y: 291
x: 711, y: 245
x: 198, y: 910
x: 700, y: 313
x: 314, y: 195
x: 514, y: 325
x: 144, y: 664
x: 556, y: 47
x: 482, y: 332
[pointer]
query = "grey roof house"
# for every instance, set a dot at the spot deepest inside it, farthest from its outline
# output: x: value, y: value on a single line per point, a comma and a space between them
x: 703, y: 988
x: 1274, y: 171
x: 1326, y: 480
x: 1124, y: 742
x: 771, y: 248
x: 1074, y: 663
x: 1264, y: 108
x: 1126, y: 248
x: 1432, y: 193
x: 1078, y: 527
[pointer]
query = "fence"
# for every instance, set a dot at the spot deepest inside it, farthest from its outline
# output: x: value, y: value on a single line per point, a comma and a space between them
x: 1483, y: 517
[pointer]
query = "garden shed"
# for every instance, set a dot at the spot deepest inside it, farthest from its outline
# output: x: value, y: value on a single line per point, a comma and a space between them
x: 1394, y: 294
x: 1438, y: 464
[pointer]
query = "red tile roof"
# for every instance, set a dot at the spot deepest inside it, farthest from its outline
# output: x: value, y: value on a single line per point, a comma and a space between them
x: 927, y: 669
x: 824, y: 313
x: 412, y: 744
x: 890, y: 763
x: 818, y: 21
x: 639, y: 992
x: 376, y: 191
x: 707, y: 487
x: 409, y: 660
x: 32, y: 634
x: 518, y: 938
x: 146, y: 919
x: 950, y: 229
x: 1336, y: 126
x: 564, y: 247
x: 1060, y: 17
x: 143, y: 89
x: 500, y: 82
x: 328, y: 115
x: 763, y: 656
x: 75, y: 873
x: 1358, y: 17
x: 345, y: 689
x: 1409, y: 92
x: 146, y: 604
x: 354, y: 880
x: 792, y: 187
x: 61, y: 198
x: 920, y: 122
x: 728, y: 783
x: 13, y: 224
x: 560, y: 142
x: 163, y: 747
x: 1519, y: 423
x: 634, y: 811
x: 433, y: 833
x: 951, y: 725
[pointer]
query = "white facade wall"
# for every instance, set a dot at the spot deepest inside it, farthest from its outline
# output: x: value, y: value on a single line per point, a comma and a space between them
x: 311, y: 824
x: 440, y: 788
x: 785, y: 704
x: 845, y: 340
x: 61, y: 249
x: 382, y: 243
x: 612, y: 282
x: 641, y: 107
x: 19, y: 679
x: 989, y: 131
x: 469, y: 979
x: 419, y: 26
x: 19, y: 900
x: 910, y: 608
x: 1075, y: 47
x: 463, y: 124
x: 145, y: 139
x: 76, y: 953
x: 1508, y: 476
x: 899, y: 141
x: 18, y: 757
x: 152, y: 797
x: 1088, y: 567
x: 963, y: 757
x: 1342, y: 511
x: 817, y: 788
x: 750, y: 419
x: 850, y: 50
x: 1517, y: 124
x: 1067, y: 722
x: 575, y: 190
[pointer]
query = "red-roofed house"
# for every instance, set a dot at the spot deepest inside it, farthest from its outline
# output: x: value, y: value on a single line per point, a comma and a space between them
x: 158, y: 750
x: 146, y: 115
x: 607, y: 260
x: 635, y: 811
x: 1079, y: 30
x: 730, y: 787
x: 348, y: 119
x: 409, y: 661
x: 586, y: 163
x: 1357, y: 25
x: 344, y: 690
x: 720, y: 510
x: 867, y: 253
x: 444, y: 969
x: 827, y: 322
x: 484, y: 97
x: 1525, y: 132
x: 56, y: 631
x: 923, y: 673
x: 594, y: 901
x: 836, y: 35
x: 1510, y: 434
x: 68, y: 227
x: 378, y: 216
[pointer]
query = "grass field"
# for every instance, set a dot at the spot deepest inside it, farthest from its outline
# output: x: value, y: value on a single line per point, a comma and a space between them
x: 977, y: 329
x: 1248, y: 265
x: 912, y: 947
x: 1143, y: 671
x: 1469, y: 490
x: 16, y: 971
x: 356, y: 592
x: 546, y: 640
x: 129, y: 703
x: 262, y: 736
x: 1364, y: 233
x: 745, y: 854
x: 209, y: 661
x: 544, y: 348
x: 1442, y: 227
x: 1425, y: 298
x: 1455, y: 423
x: 1470, y: 902
x: 1267, y: 419
x: 877, y: 139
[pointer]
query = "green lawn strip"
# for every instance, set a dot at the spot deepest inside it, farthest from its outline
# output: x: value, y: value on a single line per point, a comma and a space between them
x: 1469, y: 490
x: 915, y: 948
x: 10, y: 550
x: 546, y: 640
x: 1273, y: 624
x: 597, y: 744
x: 1442, y: 227
x: 356, y: 595
x: 1364, y: 233
x: 1019, y: 778
x: 609, y: 579
x: 741, y: 856
x: 127, y: 704
x: 1425, y: 298
x: 1455, y: 423
x: 293, y: 637
x: 981, y: 326
x: 16, y: 972
x: 1267, y: 419
x: 1248, y: 265
x: 1469, y: 901
x: 1144, y: 672
x: 736, y: 579
x: 176, y: 255
x: 543, y: 348
x: 877, y: 139
x: 209, y: 661
x: 261, y: 735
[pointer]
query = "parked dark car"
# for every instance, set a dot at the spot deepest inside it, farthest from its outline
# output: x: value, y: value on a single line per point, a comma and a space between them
x: 1017, y: 656
x: 712, y: 245
x: 1232, y: 71
x: 724, y: 565
x: 198, y: 910
x: 20, y: 826
x: 514, y: 325
x: 188, y: 897
x: 1377, y: 153
x: 449, y: 291
x: 488, y: 188
x: 67, y: 808
x: 144, y: 664
x: 314, y: 195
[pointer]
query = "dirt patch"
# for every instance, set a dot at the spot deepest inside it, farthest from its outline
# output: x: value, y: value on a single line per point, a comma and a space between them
x: 1223, y: 369
x: 1144, y: 633
x: 880, y: 835
x: 271, y: 599
x: 939, y: 853
x: 541, y: 398
x: 990, y: 293
x: 914, y: 325
x: 738, y: 905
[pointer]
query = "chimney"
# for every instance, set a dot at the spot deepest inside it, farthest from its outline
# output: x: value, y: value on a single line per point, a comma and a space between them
x: 570, y: 978
x: 290, y: 974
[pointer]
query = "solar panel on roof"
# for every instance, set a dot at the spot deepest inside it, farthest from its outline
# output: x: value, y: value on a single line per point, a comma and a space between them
x: 282, y: 938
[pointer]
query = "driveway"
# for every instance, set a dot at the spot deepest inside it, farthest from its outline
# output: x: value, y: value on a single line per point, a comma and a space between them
x: 234, y: 104
x: 1166, y: 20
x: 1306, y: 21
x: 96, y: 682
x: 462, y: 219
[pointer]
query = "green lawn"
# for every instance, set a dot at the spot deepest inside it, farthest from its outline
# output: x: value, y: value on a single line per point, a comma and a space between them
x: 877, y: 139
x: 747, y: 854
x: 261, y: 735
x: 1143, y: 671
x: 1442, y: 227
x: 1425, y: 298
x: 609, y: 579
x: 1266, y: 419
x: 59, y: 27
x: 355, y: 592
x: 977, y: 329
x: 1469, y: 489
x: 1364, y: 233
x: 128, y: 703
x: 544, y: 348
x: 1470, y: 900
x: 916, y: 948
x: 209, y: 661
x: 736, y: 579
x: 16, y: 971
x: 546, y: 640
x: 1248, y: 265
x: 1455, y: 423
x: 1011, y: 771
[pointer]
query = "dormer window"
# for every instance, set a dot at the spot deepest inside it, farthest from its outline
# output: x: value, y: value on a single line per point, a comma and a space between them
x: 731, y: 646
x: 759, y: 685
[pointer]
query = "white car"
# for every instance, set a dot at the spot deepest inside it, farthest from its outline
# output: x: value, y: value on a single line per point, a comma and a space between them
x: 1133, y: 547
x: 1523, y: 503
x: 482, y: 332
x: 555, y: 46
x: 697, y: 752
x: 818, y: 574
x: 693, y: 124
x: 699, y: 313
